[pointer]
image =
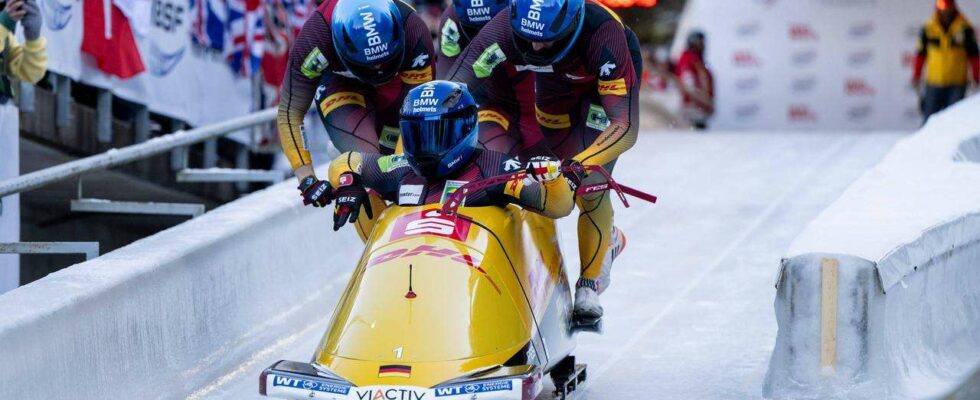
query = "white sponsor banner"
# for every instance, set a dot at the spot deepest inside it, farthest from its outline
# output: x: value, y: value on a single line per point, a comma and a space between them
x: 180, y: 81
x: 816, y: 64
x: 10, y: 214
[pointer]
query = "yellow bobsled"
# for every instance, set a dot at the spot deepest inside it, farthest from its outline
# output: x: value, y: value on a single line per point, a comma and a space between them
x: 475, y: 307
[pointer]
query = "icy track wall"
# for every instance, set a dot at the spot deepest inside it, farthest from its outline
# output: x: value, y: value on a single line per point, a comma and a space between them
x: 157, y: 318
x: 880, y: 295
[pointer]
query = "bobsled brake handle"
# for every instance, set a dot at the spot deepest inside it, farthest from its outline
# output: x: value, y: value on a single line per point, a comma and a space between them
x: 455, y: 200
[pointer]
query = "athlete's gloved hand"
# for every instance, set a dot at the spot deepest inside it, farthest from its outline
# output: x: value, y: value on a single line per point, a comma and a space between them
x: 315, y: 192
x: 543, y: 168
x: 32, y: 20
x: 574, y: 173
x: 350, y: 197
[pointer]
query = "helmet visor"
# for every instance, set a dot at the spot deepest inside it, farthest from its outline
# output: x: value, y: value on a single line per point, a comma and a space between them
x: 435, y: 136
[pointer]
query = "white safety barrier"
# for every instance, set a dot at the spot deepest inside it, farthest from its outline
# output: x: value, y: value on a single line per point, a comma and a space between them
x: 160, y: 317
x: 880, y: 296
x: 9, y: 220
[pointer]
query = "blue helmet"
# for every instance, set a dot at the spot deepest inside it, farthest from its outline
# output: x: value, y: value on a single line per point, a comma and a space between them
x: 439, y: 128
x: 557, y: 22
x: 476, y: 13
x: 369, y: 38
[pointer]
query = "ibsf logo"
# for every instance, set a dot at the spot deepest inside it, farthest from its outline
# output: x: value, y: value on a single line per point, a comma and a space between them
x: 748, y: 29
x: 747, y: 111
x: 802, y: 32
x: 804, y: 84
x: 745, y: 58
x: 801, y: 113
x: 860, y: 58
x: 747, y: 84
x: 861, y: 30
x: 859, y: 112
x: 168, y: 35
x: 858, y: 87
x: 56, y: 13
x: 804, y: 57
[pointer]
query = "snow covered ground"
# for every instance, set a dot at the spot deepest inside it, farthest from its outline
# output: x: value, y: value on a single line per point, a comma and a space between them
x: 689, y: 314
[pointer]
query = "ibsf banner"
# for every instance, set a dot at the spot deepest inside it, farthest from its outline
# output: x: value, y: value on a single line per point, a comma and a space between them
x: 178, y: 78
x: 812, y: 64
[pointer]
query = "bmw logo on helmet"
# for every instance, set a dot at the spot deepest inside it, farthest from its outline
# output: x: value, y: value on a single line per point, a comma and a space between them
x: 369, y: 38
x: 555, y: 22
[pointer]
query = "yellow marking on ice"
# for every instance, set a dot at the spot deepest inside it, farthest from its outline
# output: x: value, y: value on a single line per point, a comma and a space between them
x: 828, y: 313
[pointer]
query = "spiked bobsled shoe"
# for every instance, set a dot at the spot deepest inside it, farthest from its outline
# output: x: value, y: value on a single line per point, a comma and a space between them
x: 616, y: 246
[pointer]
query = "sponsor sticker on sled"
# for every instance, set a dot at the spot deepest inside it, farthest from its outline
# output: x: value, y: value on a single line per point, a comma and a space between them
x: 409, y: 195
x: 307, y: 384
x: 431, y: 222
x: 474, y: 388
x: 452, y: 187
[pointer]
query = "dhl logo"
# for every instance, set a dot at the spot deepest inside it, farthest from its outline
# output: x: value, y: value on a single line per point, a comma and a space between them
x: 615, y: 87
x: 495, y: 117
x: 552, y: 121
x: 417, y: 76
x: 339, y: 99
x: 431, y: 251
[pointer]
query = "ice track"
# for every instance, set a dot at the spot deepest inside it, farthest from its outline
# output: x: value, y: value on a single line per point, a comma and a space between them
x: 689, y: 314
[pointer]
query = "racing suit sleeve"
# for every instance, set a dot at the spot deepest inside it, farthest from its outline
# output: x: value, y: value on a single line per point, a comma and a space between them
x: 450, y: 42
x: 487, y: 51
x: 306, y: 63
x: 552, y: 199
x: 618, y: 87
x: 370, y: 167
x: 419, y: 65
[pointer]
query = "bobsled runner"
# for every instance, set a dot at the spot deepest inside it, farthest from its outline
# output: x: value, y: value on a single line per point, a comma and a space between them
x: 447, y: 302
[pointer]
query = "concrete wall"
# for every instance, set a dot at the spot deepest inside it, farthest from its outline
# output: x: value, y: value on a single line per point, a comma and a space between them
x: 880, y: 296
x: 10, y: 213
x: 160, y: 317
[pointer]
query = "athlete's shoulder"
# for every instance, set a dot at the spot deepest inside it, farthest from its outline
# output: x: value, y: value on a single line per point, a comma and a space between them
x: 597, y: 14
x: 404, y: 9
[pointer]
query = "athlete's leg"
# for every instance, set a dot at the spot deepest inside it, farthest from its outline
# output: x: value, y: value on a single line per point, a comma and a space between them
x: 595, y: 227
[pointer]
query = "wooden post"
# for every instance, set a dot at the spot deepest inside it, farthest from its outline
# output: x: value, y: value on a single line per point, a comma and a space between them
x: 828, y: 313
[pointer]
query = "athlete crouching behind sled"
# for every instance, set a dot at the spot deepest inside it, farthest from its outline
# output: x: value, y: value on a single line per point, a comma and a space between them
x: 439, y: 133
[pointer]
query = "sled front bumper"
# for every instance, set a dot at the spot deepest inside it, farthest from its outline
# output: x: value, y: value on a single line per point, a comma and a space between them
x: 303, y: 381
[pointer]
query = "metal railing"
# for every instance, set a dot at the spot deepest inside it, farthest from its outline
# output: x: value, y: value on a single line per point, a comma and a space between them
x: 136, y: 152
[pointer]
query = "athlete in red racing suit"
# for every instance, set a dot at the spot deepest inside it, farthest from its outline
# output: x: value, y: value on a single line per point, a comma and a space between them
x: 357, y: 102
x: 587, y: 105
x: 507, y: 121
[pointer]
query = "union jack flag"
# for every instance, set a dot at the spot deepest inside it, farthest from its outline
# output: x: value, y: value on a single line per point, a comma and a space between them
x: 247, y: 31
x: 208, y: 21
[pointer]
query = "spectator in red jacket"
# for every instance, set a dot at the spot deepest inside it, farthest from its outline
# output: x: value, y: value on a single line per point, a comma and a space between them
x: 696, y: 83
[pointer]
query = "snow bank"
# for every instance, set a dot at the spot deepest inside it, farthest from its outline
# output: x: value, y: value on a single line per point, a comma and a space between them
x: 160, y: 317
x: 880, y: 296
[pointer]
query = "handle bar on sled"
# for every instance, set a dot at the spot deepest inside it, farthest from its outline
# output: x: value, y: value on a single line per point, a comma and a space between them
x: 455, y: 200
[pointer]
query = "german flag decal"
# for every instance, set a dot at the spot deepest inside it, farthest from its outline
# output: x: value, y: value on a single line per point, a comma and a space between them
x: 339, y: 99
x: 394, y: 371
x: 553, y: 121
x: 417, y: 76
x: 616, y: 87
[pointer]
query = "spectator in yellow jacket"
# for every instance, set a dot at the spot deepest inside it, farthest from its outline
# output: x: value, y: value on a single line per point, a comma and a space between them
x: 26, y: 62
x: 948, y: 51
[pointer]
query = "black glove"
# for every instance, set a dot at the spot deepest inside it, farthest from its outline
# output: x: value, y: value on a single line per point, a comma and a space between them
x: 315, y: 192
x: 31, y: 21
x: 575, y: 175
x: 350, y: 197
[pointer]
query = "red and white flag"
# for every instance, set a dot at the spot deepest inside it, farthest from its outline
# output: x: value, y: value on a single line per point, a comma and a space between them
x: 108, y: 37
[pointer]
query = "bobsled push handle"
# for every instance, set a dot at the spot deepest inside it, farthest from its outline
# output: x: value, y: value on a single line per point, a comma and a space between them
x: 456, y: 198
